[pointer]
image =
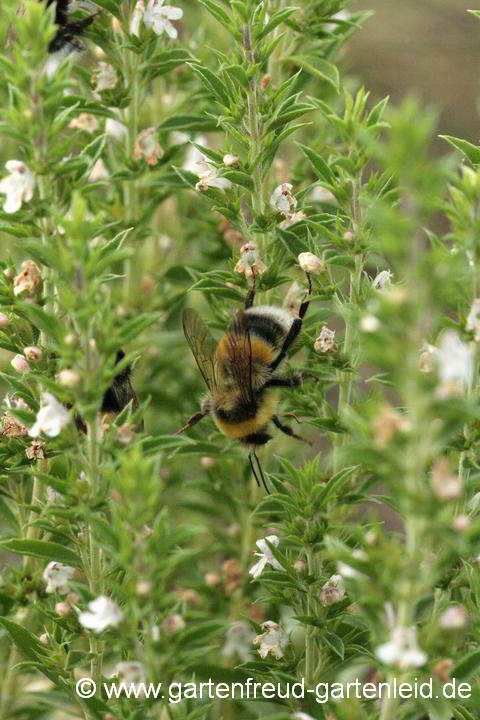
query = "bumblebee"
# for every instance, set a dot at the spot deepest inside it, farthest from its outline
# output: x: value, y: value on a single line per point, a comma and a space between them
x: 240, y: 371
x: 117, y: 395
x: 67, y: 31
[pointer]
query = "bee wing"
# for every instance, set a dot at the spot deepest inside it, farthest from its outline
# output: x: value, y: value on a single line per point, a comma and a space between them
x: 202, y: 345
x: 240, y: 352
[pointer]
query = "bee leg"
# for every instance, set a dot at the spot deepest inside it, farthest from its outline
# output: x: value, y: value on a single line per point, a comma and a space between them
x: 193, y: 421
x: 262, y: 476
x: 304, y: 306
x: 251, y: 293
x: 288, y: 430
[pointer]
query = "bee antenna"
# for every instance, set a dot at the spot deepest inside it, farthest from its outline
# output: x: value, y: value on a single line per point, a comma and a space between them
x: 264, y: 482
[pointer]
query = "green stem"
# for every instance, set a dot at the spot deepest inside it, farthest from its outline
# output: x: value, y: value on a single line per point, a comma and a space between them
x: 309, y: 639
x: 130, y: 194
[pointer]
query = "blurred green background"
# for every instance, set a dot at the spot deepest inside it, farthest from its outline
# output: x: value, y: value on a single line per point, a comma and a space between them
x: 429, y: 48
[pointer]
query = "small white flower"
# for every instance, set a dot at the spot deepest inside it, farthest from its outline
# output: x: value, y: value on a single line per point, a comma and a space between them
x: 333, y: 591
x: 103, y: 612
x: 230, y: 160
x: 402, y: 649
x: 239, y: 639
x: 98, y: 172
x: 265, y: 555
x: 18, y: 186
x: 383, y: 280
x: 274, y: 640
x: 158, y: 16
x: 133, y: 675
x: 250, y: 264
x: 445, y: 484
x: 292, y: 219
x: 454, y: 618
x: 325, y: 342
x: 311, y: 263
x: 105, y: 77
x: 51, y: 417
x: 454, y: 359
x: 473, y: 319
x: 302, y: 716
x: 115, y: 128
x: 57, y: 577
x: 282, y: 199
x: 193, y: 154
x: 209, y: 177
x: 137, y: 16
x: 369, y: 323
x: 84, y: 121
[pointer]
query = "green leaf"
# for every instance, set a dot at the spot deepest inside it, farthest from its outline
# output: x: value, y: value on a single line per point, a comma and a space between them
x: 318, y: 163
x: 335, y: 644
x: 467, y: 667
x: 213, y: 83
x: 219, y: 14
x: 239, y: 178
x: 42, y: 549
x: 188, y: 122
x: 468, y: 150
x: 319, y: 67
x: 24, y: 640
x: 41, y: 319
x: 275, y: 20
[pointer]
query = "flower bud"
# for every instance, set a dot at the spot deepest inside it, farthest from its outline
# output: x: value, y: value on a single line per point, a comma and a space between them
x: 230, y: 160
x: 311, y: 263
x: 3, y: 320
x: 211, y: 579
x: 68, y: 378
x: 20, y: 364
x: 173, y: 624
x: 44, y: 638
x: 63, y: 609
x: 143, y: 587
x: 33, y: 353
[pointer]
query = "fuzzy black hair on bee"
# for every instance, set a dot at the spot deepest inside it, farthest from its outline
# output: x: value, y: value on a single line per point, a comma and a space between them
x: 68, y: 31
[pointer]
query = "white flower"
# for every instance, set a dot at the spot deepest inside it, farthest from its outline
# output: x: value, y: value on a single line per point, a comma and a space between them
x: 18, y: 186
x: 265, y: 555
x: 325, y: 342
x: 98, y: 172
x: 239, y: 639
x: 274, y: 640
x: 133, y: 675
x: 402, y: 649
x: 57, y: 577
x: 104, y: 613
x: 193, y: 154
x: 333, y: 591
x: 105, y: 77
x: 445, y: 484
x: 369, y: 323
x: 51, y: 417
x: 382, y: 280
x: 158, y: 16
x: 292, y: 219
x: 230, y: 160
x: 302, y: 716
x: 282, y: 199
x: 454, y: 359
x: 249, y: 263
x: 454, y: 618
x: 473, y: 319
x: 137, y: 16
x: 115, y: 128
x: 209, y: 177
x: 84, y: 121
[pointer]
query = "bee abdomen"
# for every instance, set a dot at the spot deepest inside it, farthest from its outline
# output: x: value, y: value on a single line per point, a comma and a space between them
x: 269, y: 323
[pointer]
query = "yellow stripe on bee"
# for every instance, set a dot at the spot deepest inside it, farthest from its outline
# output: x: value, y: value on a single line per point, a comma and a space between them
x: 261, y: 352
x: 264, y: 414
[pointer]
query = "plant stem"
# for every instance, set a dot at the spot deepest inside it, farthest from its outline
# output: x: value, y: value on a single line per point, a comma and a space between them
x: 309, y: 639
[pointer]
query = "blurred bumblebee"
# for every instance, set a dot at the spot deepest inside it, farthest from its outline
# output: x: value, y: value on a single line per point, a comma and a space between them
x: 240, y: 371
x: 68, y: 31
x: 116, y: 397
